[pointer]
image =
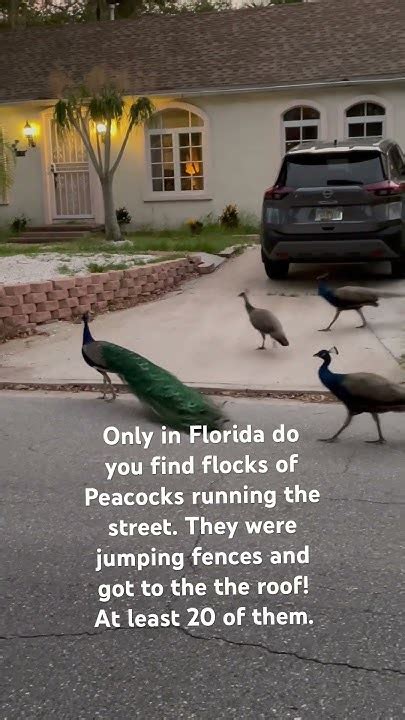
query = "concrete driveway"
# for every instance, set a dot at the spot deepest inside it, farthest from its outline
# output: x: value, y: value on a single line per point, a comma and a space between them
x: 203, y: 335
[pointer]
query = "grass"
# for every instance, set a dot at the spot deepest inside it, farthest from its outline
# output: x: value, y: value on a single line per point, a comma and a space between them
x: 213, y: 239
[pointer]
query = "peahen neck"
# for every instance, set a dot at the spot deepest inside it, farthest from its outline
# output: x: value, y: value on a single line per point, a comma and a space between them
x: 87, y: 336
x: 249, y: 307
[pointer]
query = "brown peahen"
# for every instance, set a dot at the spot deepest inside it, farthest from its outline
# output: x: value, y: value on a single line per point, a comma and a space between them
x: 361, y: 393
x: 265, y: 322
x: 351, y: 297
x: 174, y: 403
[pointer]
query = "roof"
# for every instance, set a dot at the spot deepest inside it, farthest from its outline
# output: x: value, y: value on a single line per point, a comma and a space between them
x: 326, y: 41
x: 341, y: 145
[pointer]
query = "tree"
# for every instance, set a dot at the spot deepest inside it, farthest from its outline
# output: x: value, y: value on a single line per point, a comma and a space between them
x: 199, y: 6
x: 100, y: 101
x: 269, y: 3
x: 7, y: 162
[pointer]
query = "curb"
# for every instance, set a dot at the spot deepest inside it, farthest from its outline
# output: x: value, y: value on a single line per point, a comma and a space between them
x: 314, y: 396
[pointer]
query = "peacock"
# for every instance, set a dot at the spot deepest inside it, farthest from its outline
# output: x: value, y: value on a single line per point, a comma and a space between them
x: 265, y: 322
x: 175, y: 404
x: 351, y: 298
x: 361, y: 393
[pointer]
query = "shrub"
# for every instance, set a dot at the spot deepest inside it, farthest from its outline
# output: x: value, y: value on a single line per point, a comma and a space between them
x: 19, y: 223
x: 123, y: 216
x: 230, y: 217
x: 195, y: 226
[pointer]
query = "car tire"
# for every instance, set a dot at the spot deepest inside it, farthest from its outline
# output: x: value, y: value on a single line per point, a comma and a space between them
x: 276, y: 269
x: 398, y: 267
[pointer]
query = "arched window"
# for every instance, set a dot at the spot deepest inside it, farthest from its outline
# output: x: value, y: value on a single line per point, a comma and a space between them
x: 365, y: 119
x: 176, y: 151
x: 300, y: 125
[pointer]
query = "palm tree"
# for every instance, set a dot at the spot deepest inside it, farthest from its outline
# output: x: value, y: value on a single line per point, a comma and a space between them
x: 7, y: 161
x: 91, y: 110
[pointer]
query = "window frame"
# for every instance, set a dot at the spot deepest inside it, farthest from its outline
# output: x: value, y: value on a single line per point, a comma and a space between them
x: 177, y: 194
x: 301, y: 123
x: 365, y: 119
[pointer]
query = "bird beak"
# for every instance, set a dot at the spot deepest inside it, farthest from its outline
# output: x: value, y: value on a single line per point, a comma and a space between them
x: 318, y: 354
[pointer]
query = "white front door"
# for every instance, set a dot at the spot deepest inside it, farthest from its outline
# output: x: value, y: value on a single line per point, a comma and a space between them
x: 70, y: 176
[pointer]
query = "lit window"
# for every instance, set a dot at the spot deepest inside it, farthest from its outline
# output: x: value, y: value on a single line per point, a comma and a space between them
x: 176, y: 151
x: 301, y: 124
x: 365, y: 119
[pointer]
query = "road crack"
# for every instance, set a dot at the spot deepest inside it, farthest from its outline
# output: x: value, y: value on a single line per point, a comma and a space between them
x: 286, y: 653
x: 215, y: 638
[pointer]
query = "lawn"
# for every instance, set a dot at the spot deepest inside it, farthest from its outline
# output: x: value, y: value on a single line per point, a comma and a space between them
x: 211, y: 240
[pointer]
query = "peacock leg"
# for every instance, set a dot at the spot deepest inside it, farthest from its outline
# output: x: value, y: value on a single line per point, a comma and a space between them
x: 381, y: 438
x: 103, y: 390
x: 363, y: 318
x: 337, y: 313
x: 108, y: 386
x: 261, y: 347
x: 336, y: 435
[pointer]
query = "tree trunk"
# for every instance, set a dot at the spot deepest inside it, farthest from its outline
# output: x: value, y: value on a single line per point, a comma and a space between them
x: 13, y: 7
x: 112, y: 229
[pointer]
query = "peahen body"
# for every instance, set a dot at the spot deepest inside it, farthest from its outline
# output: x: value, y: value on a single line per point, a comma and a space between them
x: 176, y: 404
x: 361, y: 393
x: 351, y: 297
x: 265, y: 322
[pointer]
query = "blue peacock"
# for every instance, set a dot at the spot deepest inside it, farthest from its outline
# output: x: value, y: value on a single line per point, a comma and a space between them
x: 351, y: 297
x: 360, y: 393
x: 174, y: 403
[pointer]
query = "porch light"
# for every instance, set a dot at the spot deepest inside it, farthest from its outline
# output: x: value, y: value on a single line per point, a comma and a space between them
x: 29, y: 134
x: 101, y: 128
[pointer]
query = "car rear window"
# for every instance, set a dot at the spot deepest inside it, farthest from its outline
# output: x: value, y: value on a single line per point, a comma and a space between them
x: 332, y: 168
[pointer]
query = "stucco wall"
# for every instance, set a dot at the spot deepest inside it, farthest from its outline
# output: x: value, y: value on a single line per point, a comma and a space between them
x: 245, y: 150
x: 26, y: 195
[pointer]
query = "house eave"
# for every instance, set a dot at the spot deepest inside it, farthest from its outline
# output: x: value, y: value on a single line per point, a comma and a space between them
x: 237, y: 90
x: 285, y: 86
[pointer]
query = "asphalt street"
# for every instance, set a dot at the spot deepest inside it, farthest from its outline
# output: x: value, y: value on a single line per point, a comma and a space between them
x: 344, y: 664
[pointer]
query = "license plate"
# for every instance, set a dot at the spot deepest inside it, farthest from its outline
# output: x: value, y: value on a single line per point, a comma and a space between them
x: 328, y: 214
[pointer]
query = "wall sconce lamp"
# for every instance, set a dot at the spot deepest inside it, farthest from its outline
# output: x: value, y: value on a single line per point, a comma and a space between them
x: 101, y: 129
x: 29, y: 134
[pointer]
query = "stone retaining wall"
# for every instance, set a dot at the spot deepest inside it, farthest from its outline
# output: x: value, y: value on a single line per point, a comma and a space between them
x: 25, y: 306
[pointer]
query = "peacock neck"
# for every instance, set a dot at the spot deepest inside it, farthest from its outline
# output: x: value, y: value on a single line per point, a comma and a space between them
x: 328, y: 378
x: 87, y: 336
x: 325, y: 291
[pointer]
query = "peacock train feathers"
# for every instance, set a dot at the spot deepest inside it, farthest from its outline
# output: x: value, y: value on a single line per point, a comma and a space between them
x: 175, y: 404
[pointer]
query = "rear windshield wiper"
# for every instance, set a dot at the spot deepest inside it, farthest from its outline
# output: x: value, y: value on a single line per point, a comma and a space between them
x: 344, y: 182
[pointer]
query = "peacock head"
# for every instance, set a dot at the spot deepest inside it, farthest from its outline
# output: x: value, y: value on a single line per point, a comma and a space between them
x: 325, y: 355
x: 86, y: 317
x: 243, y: 294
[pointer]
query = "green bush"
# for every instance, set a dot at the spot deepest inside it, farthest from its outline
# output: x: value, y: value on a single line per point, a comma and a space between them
x: 230, y: 217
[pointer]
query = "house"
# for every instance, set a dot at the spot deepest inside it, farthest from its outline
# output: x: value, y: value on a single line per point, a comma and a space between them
x: 232, y: 91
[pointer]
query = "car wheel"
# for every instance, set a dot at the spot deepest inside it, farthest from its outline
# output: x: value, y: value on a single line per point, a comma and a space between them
x: 276, y: 269
x: 398, y: 267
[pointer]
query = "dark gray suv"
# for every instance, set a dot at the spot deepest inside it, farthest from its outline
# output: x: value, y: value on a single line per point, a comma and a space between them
x: 342, y: 201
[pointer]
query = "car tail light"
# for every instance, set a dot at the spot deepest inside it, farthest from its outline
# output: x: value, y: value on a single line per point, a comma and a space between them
x: 277, y: 192
x: 386, y: 188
